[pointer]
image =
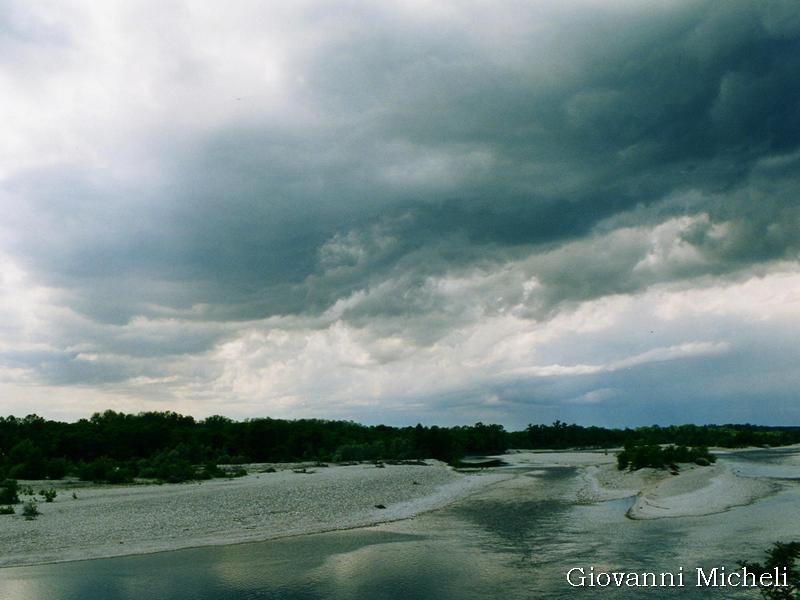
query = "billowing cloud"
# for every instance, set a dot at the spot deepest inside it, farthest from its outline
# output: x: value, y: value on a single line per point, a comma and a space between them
x: 401, y: 211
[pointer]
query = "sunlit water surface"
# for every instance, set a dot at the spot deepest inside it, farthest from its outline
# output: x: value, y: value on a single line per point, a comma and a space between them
x: 513, y: 541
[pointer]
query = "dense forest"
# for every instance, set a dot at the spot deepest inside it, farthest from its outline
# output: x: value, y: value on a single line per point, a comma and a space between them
x: 118, y: 447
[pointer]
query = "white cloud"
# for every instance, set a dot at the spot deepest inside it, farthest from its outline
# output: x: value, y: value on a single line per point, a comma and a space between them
x: 27, y: 310
x: 773, y: 296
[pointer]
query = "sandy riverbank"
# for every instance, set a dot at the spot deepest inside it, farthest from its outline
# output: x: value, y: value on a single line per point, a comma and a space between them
x: 695, y: 491
x: 657, y: 493
x: 698, y: 491
x: 117, y: 520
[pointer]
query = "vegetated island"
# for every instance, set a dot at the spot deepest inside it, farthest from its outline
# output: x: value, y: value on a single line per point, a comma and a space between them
x: 95, y: 487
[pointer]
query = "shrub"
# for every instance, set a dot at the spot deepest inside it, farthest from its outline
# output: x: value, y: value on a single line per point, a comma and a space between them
x: 237, y: 472
x: 48, y: 495
x: 104, y: 470
x: 652, y: 455
x: 780, y: 556
x: 57, y: 468
x: 26, y: 460
x: 7, y: 510
x: 622, y: 460
x: 30, y: 510
x: 173, y: 471
x: 358, y: 452
x: 210, y: 470
x: 167, y: 466
x: 9, y: 492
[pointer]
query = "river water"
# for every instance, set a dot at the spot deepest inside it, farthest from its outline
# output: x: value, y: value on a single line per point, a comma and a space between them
x: 514, y: 540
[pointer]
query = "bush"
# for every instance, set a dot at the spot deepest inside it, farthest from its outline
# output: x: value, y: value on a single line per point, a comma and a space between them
x: 236, y: 472
x: 358, y: 452
x: 9, y: 492
x: 780, y: 556
x: 105, y: 470
x: 623, y: 460
x: 652, y: 455
x: 30, y: 510
x: 210, y: 470
x: 57, y: 468
x: 48, y: 495
x: 167, y: 466
x: 26, y: 460
x: 7, y: 510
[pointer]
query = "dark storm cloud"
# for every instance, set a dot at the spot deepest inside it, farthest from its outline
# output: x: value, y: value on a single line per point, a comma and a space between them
x: 578, y: 115
x: 410, y: 171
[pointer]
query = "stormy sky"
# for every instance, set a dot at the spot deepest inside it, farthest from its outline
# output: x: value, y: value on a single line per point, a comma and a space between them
x: 402, y: 211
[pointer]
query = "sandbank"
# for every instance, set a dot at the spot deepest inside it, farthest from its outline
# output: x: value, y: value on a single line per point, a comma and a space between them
x: 656, y: 493
x: 105, y: 521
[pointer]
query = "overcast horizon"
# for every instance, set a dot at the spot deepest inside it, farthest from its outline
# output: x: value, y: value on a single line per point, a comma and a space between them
x: 399, y: 212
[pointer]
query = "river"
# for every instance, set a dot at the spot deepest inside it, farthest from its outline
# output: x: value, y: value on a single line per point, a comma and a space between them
x: 515, y: 540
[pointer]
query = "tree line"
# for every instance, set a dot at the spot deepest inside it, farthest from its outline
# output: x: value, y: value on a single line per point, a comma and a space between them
x: 117, y: 447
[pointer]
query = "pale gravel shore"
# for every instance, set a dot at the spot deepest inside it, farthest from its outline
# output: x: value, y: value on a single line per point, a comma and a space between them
x: 109, y: 521
x: 698, y: 491
x: 656, y: 493
x: 695, y: 491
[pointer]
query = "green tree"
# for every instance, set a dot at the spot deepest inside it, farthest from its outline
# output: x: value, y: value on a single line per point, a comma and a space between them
x: 780, y: 555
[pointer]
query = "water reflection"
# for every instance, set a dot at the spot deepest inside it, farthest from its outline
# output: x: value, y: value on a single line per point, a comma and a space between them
x: 532, y: 524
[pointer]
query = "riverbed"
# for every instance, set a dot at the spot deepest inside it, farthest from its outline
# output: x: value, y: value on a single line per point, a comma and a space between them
x: 517, y: 538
